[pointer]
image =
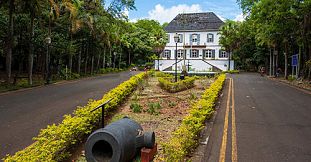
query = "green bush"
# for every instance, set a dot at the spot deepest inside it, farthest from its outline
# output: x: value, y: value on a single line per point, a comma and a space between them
x: 109, y: 70
x: 136, y: 107
x: 184, y: 138
x: 153, y: 108
x: 161, y: 74
x: 172, y: 87
x: 291, y: 78
x: 52, y: 143
x: 171, y: 104
x: 65, y: 73
x: 231, y: 72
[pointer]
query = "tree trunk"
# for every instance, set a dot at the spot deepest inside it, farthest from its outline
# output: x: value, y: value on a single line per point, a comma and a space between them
x: 87, y: 57
x: 104, y: 59
x: 79, y: 61
x: 286, y: 61
x: 129, y: 58
x: 85, y: 64
x: 98, y: 62
x: 120, y: 60
x: 274, y: 61
x: 47, y: 57
x: 92, y: 65
x: 9, y: 46
x: 70, y: 62
x: 110, y: 64
x: 31, y: 48
x: 270, y: 66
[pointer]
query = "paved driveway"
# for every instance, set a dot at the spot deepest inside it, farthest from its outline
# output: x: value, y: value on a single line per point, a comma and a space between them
x: 265, y: 121
x: 24, y: 113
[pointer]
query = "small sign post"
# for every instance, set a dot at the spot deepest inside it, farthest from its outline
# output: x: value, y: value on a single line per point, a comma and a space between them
x: 295, y: 65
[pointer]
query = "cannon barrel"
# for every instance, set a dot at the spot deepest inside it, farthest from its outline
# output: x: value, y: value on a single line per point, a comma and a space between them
x: 117, y: 142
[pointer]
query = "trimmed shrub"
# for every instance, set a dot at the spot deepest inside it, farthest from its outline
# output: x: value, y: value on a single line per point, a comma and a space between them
x: 232, y: 72
x: 184, y: 138
x: 53, y: 143
x: 136, y: 107
x: 172, y: 87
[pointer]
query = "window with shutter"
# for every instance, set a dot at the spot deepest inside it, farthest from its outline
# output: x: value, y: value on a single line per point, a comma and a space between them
x: 194, y: 53
x: 223, y: 54
x: 194, y: 38
x: 213, y: 54
x: 168, y: 38
x: 180, y: 53
x: 180, y: 38
x: 167, y: 54
x: 210, y: 37
x: 208, y: 53
x: 190, y: 39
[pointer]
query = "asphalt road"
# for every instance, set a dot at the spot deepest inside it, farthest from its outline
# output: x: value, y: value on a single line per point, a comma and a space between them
x: 265, y: 121
x: 24, y: 113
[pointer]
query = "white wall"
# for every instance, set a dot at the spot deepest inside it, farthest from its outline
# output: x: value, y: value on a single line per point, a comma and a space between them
x: 171, y: 45
x: 186, y: 38
x: 196, y: 65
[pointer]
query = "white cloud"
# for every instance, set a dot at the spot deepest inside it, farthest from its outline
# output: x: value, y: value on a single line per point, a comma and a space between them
x: 126, y: 12
x: 240, y: 18
x: 133, y: 20
x: 163, y: 14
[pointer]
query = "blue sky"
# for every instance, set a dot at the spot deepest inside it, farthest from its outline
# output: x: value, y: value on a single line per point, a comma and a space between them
x: 166, y: 10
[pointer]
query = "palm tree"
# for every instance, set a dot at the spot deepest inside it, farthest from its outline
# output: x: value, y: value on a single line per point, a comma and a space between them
x: 74, y: 8
x: 9, y: 42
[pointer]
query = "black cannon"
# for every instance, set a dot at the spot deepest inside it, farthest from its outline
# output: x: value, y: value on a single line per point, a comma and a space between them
x: 117, y: 142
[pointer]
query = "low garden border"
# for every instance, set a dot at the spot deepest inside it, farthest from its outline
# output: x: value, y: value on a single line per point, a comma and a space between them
x: 185, y: 137
x: 54, y: 142
x: 172, y: 87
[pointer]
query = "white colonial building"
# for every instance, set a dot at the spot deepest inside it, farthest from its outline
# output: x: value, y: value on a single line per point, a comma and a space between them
x: 198, y: 48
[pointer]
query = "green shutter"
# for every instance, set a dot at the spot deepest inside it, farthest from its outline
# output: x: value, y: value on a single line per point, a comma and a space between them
x: 190, y: 39
x: 181, y: 38
x: 213, y: 54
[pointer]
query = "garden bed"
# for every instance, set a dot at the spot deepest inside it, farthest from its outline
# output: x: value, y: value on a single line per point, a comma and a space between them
x: 160, y: 111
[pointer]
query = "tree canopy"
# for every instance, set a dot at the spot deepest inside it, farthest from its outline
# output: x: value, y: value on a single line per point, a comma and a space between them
x: 274, y: 29
x: 85, y: 36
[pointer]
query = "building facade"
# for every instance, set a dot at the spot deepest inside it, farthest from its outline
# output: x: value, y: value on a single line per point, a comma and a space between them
x: 198, y: 48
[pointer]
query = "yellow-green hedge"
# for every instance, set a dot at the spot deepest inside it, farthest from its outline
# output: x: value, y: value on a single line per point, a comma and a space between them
x: 54, y: 142
x: 166, y: 84
x: 185, y: 137
x: 231, y: 72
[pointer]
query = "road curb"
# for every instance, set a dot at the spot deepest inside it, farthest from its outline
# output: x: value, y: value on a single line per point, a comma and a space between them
x: 290, y: 85
x: 63, y: 82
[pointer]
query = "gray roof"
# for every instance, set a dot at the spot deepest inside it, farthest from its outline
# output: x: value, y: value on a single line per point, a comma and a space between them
x: 194, y: 22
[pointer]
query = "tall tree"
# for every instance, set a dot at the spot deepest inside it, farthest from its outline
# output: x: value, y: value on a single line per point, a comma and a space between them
x: 9, y: 41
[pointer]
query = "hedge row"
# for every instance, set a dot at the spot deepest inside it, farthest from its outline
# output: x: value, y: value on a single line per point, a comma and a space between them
x: 231, y: 72
x: 185, y: 137
x: 109, y: 70
x: 54, y: 142
x: 172, y: 87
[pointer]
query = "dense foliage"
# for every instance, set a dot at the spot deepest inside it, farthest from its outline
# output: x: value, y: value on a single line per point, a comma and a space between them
x: 83, y: 35
x: 273, y: 30
x: 185, y: 137
x: 54, y: 142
